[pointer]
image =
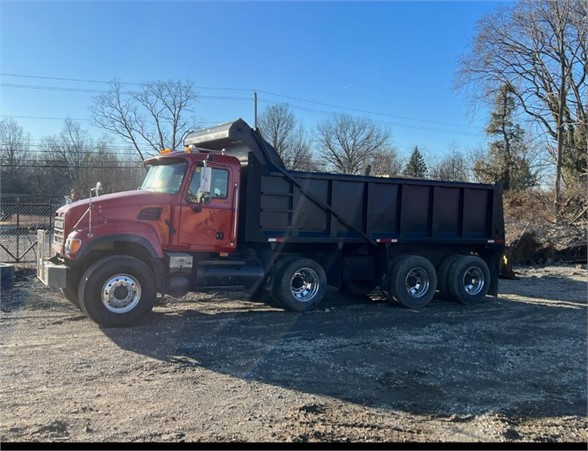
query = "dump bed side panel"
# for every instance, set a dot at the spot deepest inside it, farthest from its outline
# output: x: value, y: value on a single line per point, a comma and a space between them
x: 382, y: 209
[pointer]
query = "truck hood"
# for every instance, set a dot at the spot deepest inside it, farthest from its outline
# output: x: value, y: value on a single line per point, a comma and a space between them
x: 123, y: 206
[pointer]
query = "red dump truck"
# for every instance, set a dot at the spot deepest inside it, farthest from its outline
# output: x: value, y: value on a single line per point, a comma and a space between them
x: 225, y: 214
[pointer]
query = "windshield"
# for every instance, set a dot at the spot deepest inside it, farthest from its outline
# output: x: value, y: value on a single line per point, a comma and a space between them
x: 165, y: 178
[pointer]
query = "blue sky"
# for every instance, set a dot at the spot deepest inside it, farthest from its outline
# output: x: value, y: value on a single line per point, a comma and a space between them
x: 393, y: 58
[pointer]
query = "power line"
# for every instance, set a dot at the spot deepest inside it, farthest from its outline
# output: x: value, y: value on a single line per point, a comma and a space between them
x: 328, y: 105
x: 60, y: 78
x: 100, y: 91
x: 79, y: 80
x: 365, y: 111
x: 396, y: 124
x: 66, y: 166
x: 47, y: 118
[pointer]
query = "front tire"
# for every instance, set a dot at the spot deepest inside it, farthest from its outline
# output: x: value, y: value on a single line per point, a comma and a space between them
x: 71, y: 295
x: 117, y: 291
x: 70, y: 291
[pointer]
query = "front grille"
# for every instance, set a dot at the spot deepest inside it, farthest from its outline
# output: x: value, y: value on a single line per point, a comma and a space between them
x: 58, y: 230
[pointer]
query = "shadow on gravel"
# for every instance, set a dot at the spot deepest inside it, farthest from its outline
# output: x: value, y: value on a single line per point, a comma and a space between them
x: 449, y: 359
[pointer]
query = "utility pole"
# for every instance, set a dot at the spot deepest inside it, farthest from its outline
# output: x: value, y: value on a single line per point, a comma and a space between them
x: 255, y: 107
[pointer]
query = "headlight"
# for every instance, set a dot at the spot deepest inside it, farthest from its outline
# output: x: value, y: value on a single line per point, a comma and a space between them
x: 72, y: 245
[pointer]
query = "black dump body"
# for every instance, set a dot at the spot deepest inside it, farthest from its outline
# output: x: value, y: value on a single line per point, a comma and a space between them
x: 299, y: 207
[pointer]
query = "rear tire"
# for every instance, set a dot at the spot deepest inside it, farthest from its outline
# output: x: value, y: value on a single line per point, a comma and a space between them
x: 413, y: 281
x: 275, y: 280
x: 301, y: 284
x: 469, y: 279
x: 385, y: 282
x: 117, y: 291
x: 443, y: 276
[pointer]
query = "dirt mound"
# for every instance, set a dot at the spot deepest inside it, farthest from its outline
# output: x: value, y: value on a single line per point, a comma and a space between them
x: 533, y: 236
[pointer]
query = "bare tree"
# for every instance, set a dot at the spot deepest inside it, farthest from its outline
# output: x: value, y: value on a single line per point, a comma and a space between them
x: 66, y: 155
x: 348, y: 143
x: 540, y: 48
x: 71, y: 162
x: 155, y: 116
x: 117, y: 171
x: 14, y: 151
x: 453, y: 167
x: 286, y: 134
x: 385, y: 162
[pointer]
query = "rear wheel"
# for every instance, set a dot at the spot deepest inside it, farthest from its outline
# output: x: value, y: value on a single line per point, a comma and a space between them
x: 413, y: 281
x: 385, y: 282
x: 469, y: 279
x: 300, y: 284
x: 443, y: 276
x: 117, y: 291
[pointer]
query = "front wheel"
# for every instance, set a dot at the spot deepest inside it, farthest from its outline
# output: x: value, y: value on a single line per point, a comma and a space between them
x: 70, y: 291
x: 117, y: 291
x: 300, y: 284
x: 71, y: 295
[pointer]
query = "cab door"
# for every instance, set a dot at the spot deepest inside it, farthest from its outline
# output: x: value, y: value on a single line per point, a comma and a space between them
x: 208, y: 224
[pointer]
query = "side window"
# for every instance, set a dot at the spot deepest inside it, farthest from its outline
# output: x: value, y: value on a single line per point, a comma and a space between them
x: 219, y: 184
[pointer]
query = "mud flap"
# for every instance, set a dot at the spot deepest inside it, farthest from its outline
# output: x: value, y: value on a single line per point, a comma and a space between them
x: 505, y: 267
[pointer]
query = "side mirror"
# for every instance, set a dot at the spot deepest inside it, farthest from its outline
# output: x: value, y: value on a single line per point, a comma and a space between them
x: 97, y: 189
x: 205, y: 179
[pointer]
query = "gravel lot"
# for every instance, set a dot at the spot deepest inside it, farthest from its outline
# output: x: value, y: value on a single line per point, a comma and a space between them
x: 213, y: 368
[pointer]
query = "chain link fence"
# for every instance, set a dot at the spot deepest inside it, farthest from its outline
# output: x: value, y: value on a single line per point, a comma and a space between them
x: 20, y: 217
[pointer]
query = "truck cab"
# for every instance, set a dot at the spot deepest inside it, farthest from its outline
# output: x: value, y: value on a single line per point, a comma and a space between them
x: 187, y: 205
x: 204, y: 212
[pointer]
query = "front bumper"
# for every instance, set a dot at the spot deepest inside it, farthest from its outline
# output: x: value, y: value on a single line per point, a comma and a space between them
x: 49, y: 271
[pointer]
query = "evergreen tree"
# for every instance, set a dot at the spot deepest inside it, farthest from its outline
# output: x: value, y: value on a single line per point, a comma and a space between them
x: 416, y: 166
x: 507, y: 159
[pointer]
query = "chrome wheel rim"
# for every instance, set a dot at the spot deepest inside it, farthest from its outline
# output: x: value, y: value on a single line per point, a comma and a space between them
x: 121, y: 293
x: 417, y: 282
x: 304, y: 284
x: 473, y: 280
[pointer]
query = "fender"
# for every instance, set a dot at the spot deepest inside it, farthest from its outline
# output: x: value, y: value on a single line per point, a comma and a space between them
x: 136, y: 232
